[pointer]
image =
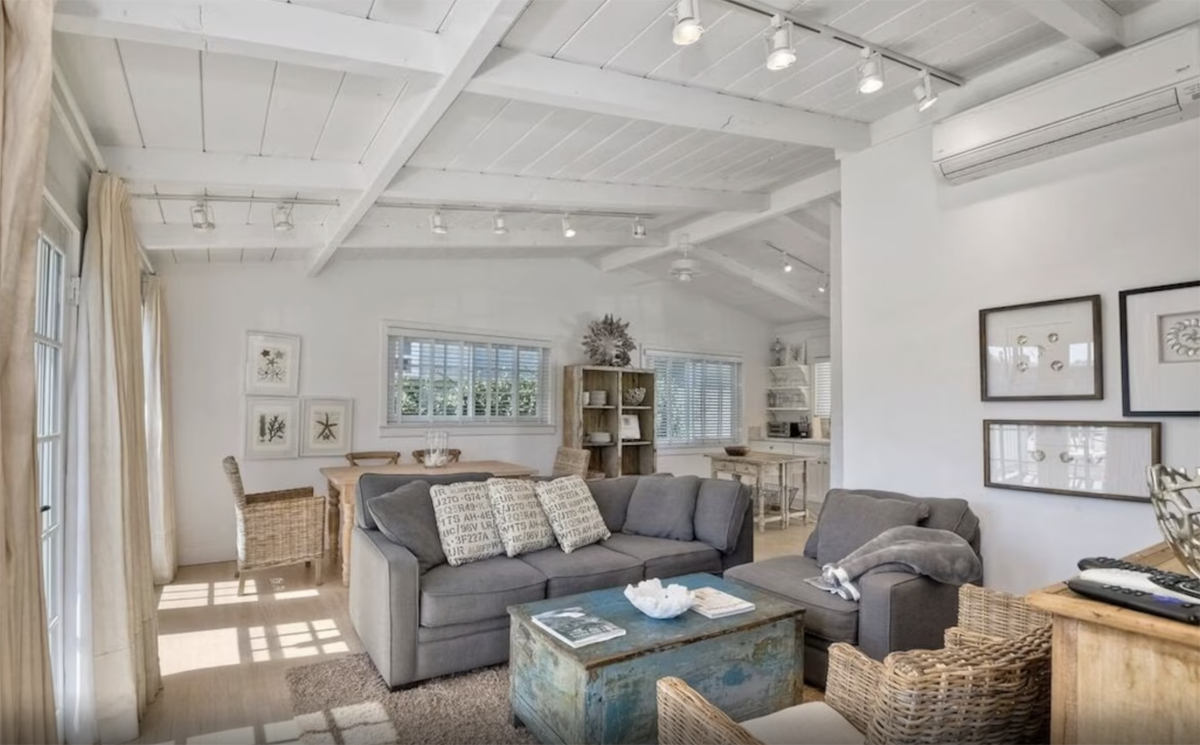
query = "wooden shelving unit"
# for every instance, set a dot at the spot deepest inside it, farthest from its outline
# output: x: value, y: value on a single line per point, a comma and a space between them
x: 616, y: 458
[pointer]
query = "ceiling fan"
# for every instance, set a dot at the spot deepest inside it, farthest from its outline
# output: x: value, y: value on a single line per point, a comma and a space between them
x: 685, y: 268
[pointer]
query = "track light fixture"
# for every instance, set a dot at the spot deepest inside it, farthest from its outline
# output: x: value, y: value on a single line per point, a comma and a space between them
x: 639, y: 228
x: 568, y: 231
x: 281, y: 217
x: 924, y: 92
x: 202, y: 216
x: 498, y: 225
x: 824, y: 286
x: 870, y: 71
x: 437, y: 223
x: 688, y: 28
x: 779, y: 45
x: 787, y: 265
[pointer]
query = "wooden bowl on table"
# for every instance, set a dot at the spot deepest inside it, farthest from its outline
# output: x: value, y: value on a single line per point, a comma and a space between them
x: 736, y: 450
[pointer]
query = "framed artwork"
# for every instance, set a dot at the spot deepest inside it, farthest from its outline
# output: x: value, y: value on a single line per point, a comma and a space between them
x: 1084, y: 459
x: 272, y: 364
x: 631, y: 428
x: 1160, y: 350
x: 1046, y: 351
x: 271, y: 425
x: 328, y: 425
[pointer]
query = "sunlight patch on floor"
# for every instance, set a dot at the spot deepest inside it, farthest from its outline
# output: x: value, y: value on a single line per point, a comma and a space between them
x: 198, y: 650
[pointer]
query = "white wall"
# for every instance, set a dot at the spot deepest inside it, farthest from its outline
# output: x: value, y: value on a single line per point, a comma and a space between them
x: 339, y: 315
x: 920, y: 258
x: 67, y: 174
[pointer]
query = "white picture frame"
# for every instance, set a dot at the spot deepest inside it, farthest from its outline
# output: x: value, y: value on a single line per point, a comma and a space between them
x: 631, y: 428
x: 272, y: 425
x: 1044, y: 351
x: 1160, y: 350
x: 327, y: 426
x: 272, y: 364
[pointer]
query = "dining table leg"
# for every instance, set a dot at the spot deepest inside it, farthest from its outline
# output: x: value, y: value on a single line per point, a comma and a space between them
x: 347, y: 528
x: 785, y: 497
x: 333, y: 523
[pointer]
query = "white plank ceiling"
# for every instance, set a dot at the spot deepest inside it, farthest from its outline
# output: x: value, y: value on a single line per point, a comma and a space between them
x: 158, y: 92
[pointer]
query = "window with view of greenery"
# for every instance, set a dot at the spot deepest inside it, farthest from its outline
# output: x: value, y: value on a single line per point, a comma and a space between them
x: 446, y: 378
x: 698, y: 399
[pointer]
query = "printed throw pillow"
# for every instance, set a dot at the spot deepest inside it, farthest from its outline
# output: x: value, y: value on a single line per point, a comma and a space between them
x: 572, y: 511
x: 522, y: 525
x: 465, y: 523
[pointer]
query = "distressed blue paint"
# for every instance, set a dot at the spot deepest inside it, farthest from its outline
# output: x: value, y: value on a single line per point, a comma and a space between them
x: 748, y: 665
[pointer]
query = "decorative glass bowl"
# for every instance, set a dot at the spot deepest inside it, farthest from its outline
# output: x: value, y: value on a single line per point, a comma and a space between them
x: 1178, y: 516
x: 633, y: 396
x: 656, y: 601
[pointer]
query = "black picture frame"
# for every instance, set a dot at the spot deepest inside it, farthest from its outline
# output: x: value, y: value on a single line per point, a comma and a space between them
x: 1097, y: 393
x: 1126, y: 380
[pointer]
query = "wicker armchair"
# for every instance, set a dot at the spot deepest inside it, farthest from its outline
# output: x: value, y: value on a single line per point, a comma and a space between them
x: 990, y: 684
x: 419, y: 455
x: 276, y: 528
x: 571, y: 462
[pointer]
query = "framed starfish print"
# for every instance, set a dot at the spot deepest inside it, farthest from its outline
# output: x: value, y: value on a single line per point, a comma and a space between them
x: 328, y: 424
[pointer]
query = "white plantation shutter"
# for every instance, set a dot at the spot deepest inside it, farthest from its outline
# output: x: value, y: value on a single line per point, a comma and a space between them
x: 822, y: 388
x: 448, y: 378
x: 698, y: 399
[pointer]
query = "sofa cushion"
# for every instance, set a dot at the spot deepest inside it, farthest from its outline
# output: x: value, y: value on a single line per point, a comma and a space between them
x: 826, y: 615
x: 663, y: 507
x: 477, y: 591
x: 612, y: 498
x: 814, y: 722
x: 371, y: 485
x: 945, y: 513
x: 465, y: 522
x: 584, y: 569
x: 522, y: 525
x: 572, y: 512
x: 664, y: 557
x: 720, y: 510
x: 406, y: 517
x: 849, y: 520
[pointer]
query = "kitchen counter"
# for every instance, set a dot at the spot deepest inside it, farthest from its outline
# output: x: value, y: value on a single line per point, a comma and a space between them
x: 799, y: 440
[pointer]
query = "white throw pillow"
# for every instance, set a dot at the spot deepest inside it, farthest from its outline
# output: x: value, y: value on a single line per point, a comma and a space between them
x: 522, y: 525
x: 572, y: 511
x: 465, y: 523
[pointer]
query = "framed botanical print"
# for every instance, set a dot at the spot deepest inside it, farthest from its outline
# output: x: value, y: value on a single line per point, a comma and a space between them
x: 1160, y: 350
x: 328, y: 425
x: 272, y: 364
x: 271, y: 425
x: 1045, y: 351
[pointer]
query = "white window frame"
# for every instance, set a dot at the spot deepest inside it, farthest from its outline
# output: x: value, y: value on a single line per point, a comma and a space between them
x: 739, y: 428
x: 467, y: 426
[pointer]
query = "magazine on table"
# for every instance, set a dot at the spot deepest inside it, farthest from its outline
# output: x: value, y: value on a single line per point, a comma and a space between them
x: 576, y: 627
x: 713, y: 603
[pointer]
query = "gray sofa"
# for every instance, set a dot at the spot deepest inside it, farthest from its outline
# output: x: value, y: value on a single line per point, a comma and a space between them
x: 417, y: 626
x: 897, y: 610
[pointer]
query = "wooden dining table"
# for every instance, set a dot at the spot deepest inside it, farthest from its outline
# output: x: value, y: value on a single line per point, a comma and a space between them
x: 343, y: 480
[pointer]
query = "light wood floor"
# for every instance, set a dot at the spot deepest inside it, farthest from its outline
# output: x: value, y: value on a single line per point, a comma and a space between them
x: 223, y: 657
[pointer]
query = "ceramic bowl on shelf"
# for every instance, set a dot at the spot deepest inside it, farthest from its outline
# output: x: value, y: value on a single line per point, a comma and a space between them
x: 736, y: 450
x: 656, y: 601
x: 633, y: 396
x: 600, y: 438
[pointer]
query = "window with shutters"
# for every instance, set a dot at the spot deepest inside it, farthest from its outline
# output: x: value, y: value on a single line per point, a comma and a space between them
x: 449, y: 378
x: 698, y: 399
x: 822, y: 387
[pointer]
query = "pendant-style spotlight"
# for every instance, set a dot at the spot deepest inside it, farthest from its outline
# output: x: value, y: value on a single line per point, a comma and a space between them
x: 787, y: 265
x: 870, y: 71
x: 202, y: 216
x: 568, y: 231
x: 924, y: 92
x: 281, y: 217
x: 437, y: 223
x: 824, y: 286
x: 639, y: 228
x: 688, y: 28
x: 779, y: 45
x: 498, y: 226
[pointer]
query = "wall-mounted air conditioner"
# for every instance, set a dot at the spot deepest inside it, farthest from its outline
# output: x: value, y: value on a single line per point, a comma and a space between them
x: 1151, y: 85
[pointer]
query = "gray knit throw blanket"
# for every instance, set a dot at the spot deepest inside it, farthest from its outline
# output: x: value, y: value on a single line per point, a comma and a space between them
x: 938, y: 554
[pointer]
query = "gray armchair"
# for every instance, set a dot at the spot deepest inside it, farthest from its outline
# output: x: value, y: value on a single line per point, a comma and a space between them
x: 897, y: 611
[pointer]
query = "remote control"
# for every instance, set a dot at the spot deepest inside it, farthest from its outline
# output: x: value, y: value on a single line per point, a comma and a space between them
x: 1125, y: 579
x: 1180, y: 583
x: 1105, y: 562
x: 1138, y: 600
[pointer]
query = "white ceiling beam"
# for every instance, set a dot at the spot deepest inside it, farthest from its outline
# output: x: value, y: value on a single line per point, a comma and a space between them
x: 809, y: 226
x: 185, y: 238
x: 767, y: 284
x: 552, y: 82
x: 780, y: 202
x: 1091, y: 24
x: 1159, y: 18
x: 432, y: 186
x: 474, y: 31
x: 263, y: 29
x: 225, y: 170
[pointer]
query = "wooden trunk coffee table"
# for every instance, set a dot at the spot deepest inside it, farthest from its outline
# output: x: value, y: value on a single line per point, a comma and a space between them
x: 749, y: 665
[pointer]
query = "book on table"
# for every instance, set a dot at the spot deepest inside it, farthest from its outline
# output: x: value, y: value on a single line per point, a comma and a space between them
x: 576, y: 627
x: 713, y: 603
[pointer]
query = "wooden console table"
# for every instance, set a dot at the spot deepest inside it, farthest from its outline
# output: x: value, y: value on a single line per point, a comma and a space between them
x: 343, y: 480
x: 1118, y: 675
x: 758, y: 466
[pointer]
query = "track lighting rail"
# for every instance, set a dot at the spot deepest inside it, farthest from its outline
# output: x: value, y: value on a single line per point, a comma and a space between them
x: 235, y: 200
x: 513, y: 210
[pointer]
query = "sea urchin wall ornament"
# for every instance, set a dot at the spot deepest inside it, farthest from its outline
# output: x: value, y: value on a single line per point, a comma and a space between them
x: 608, y: 343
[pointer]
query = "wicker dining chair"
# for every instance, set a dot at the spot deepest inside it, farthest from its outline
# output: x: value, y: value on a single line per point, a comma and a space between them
x: 419, y: 455
x: 276, y: 528
x: 989, y: 684
x: 389, y: 457
x: 571, y: 462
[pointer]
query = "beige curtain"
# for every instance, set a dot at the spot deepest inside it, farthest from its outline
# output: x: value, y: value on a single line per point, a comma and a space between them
x: 26, y: 685
x: 161, y: 455
x: 124, y: 626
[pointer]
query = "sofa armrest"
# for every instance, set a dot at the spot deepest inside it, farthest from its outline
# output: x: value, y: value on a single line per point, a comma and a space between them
x: 744, y: 552
x: 385, y: 603
x: 903, y: 611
